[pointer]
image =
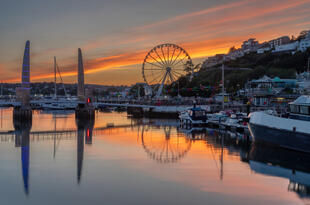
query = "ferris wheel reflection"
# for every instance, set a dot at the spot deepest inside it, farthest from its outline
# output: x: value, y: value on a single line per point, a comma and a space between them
x: 162, y: 146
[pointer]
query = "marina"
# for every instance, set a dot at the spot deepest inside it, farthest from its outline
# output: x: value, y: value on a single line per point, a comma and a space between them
x: 288, y: 129
x: 155, y: 102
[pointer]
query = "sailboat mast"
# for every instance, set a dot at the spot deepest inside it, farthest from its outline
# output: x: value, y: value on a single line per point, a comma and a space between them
x: 55, y: 88
x: 63, y: 85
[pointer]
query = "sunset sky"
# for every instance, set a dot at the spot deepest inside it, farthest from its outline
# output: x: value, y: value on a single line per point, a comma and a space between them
x: 115, y: 35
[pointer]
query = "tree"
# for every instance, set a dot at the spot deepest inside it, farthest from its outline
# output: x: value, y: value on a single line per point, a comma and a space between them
x: 232, y: 49
x: 302, y: 35
x: 190, y: 67
x: 293, y: 38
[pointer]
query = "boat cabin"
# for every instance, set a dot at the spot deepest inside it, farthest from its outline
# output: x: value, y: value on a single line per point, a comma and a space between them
x: 300, y: 108
x: 197, y: 113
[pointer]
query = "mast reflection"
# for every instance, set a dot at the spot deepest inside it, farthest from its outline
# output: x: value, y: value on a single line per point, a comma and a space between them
x: 217, y: 141
x: 22, y: 131
x: 84, y: 128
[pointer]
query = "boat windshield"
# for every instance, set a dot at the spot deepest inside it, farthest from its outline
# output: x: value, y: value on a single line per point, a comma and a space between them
x: 199, y: 113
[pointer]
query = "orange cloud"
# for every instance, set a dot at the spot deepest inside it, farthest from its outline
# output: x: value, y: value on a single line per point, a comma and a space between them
x: 96, y: 65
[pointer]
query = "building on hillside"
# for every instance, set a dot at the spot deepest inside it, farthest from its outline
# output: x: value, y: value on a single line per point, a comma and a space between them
x: 213, y: 60
x: 235, y: 54
x: 303, y: 81
x: 298, y: 45
x: 290, y: 47
x: 279, y: 41
x: 304, y: 44
x: 263, y: 48
x: 250, y: 45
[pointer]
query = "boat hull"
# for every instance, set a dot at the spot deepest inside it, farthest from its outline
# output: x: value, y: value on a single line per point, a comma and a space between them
x: 282, y: 138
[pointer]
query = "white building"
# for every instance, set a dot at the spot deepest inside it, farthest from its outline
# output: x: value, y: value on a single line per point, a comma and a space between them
x: 263, y: 48
x: 301, y: 45
x: 303, y: 81
x: 213, y: 60
x: 250, y: 45
x: 279, y: 41
x: 290, y: 47
x: 304, y: 43
x: 235, y: 54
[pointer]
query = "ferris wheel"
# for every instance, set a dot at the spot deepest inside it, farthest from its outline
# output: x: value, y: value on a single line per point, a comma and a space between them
x: 165, y: 64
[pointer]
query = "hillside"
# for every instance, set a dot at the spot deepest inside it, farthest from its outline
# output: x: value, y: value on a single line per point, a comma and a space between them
x: 283, y: 65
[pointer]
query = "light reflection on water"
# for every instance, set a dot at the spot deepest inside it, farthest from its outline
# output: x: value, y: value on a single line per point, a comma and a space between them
x: 134, y: 161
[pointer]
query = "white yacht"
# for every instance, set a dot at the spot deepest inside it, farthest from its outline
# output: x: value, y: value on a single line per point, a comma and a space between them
x: 292, y: 132
x: 58, y: 104
x: 217, y: 117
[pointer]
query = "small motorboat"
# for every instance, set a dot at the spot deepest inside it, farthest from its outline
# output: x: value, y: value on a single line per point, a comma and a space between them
x: 235, y: 122
x: 194, y: 117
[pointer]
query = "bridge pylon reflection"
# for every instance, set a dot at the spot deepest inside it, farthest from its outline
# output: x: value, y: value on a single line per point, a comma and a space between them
x: 84, y: 129
x: 22, y: 131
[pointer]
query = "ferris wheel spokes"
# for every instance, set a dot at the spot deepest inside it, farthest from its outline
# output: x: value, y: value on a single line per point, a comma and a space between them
x: 172, y: 55
x: 164, y: 64
x: 156, y: 60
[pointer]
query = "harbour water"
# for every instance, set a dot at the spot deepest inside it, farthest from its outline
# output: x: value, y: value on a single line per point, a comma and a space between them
x: 120, y: 160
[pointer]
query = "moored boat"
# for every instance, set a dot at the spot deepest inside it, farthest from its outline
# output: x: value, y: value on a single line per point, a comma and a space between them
x: 292, y: 132
x: 194, y: 117
x: 236, y: 122
x: 59, y: 105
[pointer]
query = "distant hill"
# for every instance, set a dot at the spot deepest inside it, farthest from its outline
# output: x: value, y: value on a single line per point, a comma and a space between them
x: 251, y: 66
x: 206, y: 82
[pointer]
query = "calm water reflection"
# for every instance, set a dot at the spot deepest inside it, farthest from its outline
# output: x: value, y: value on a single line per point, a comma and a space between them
x: 118, y: 160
